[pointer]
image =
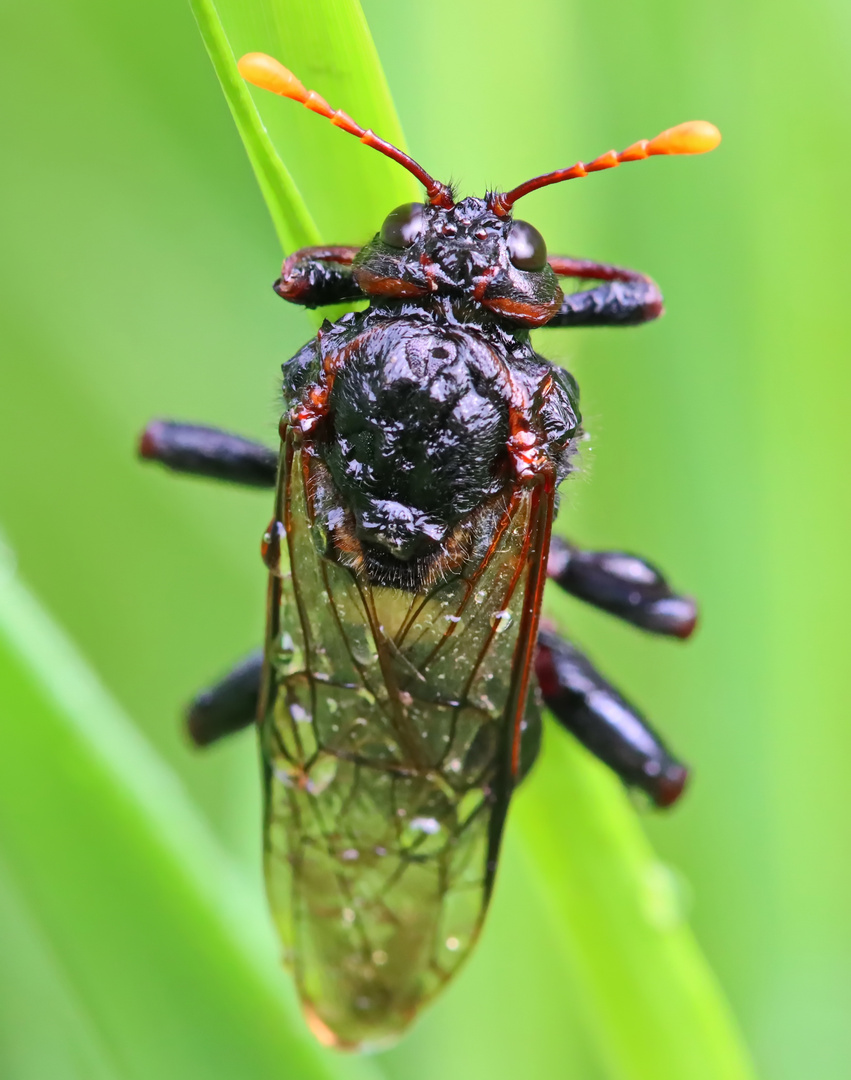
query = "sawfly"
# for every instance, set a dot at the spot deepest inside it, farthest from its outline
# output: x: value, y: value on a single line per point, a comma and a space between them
x: 397, y: 697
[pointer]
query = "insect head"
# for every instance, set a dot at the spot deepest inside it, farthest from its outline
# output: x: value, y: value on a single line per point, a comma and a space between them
x: 472, y: 248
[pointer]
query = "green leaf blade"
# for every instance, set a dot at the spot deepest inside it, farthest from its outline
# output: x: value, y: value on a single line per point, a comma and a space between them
x: 328, y: 46
x: 150, y: 926
x: 618, y: 915
x: 293, y: 224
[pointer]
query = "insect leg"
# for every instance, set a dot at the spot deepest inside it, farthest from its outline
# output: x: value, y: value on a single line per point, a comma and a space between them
x: 626, y: 299
x: 205, y: 451
x: 315, y: 276
x: 229, y: 706
x: 585, y: 704
x: 623, y: 585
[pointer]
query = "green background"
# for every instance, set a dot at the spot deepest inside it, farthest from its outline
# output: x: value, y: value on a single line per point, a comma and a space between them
x: 137, y: 260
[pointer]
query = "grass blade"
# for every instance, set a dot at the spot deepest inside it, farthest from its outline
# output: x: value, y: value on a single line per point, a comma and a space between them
x: 290, y: 216
x: 615, y: 910
x: 33, y: 985
x: 165, y: 950
x: 328, y: 45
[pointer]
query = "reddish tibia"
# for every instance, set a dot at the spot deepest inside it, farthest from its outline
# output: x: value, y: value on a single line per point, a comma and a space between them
x: 523, y: 312
x: 343, y: 255
x: 295, y: 283
x: 671, y: 786
x: 149, y: 441
x: 692, y: 137
x: 565, y: 266
x: 269, y: 74
x: 375, y: 285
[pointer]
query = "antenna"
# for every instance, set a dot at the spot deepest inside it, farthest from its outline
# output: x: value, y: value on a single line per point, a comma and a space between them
x: 267, y: 73
x: 692, y: 137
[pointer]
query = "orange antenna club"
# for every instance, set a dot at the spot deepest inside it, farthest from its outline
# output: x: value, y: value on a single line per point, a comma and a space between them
x: 269, y: 74
x: 692, y: 137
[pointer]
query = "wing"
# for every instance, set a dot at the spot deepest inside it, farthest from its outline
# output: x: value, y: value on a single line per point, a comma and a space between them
x: 390, y: 742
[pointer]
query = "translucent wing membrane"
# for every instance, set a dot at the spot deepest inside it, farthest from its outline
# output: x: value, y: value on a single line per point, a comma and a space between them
x: 389, y: 742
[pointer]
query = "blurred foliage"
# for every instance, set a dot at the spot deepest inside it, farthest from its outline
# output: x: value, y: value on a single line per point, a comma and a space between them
x: 138, y: 258
x: 119, y: 909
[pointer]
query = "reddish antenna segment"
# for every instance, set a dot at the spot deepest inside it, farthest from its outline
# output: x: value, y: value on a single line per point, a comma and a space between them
x: 267, y: 73
x: 692, y: 137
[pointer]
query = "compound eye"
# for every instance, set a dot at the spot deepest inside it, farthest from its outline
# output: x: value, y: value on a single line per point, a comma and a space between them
x: 526, y: 247
x: 403, y: 225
